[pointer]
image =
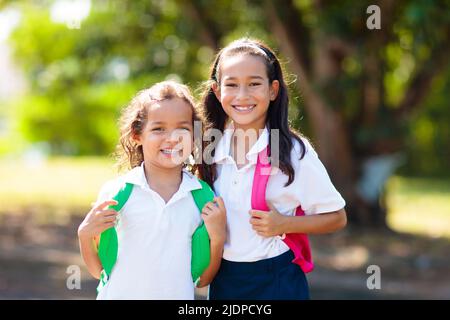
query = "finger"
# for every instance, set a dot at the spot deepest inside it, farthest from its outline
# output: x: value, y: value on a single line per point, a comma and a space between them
x: 109, y: 219
x: 220, y: 202
x: 104, y: 213
x: 255, y: 223
x: 257, y: 213
x: 271, y: 206
x: 215, y: 210
x: 207, y: 209
x: 104, y: 204
x: 108, y: 225
x: 108, y: 213
x: 208, y: 205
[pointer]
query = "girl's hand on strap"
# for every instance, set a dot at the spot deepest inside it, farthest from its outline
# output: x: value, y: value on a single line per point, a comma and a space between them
x: 267, y: 223
x: 215, y: 218
x: 98, y: 220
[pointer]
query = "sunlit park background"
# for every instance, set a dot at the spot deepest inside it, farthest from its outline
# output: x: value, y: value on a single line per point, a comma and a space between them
x: 374, y: 102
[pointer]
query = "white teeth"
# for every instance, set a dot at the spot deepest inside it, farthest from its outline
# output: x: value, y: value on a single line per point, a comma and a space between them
x: 244, y: 108
x: 170, y: 151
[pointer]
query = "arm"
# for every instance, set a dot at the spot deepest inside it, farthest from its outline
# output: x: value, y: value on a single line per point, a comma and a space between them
x: 216, y: 257
x: 214, y: 217
x: 315, y: 224
x: 269, y: 224
x: 95, y: 222
x: 88, y: 249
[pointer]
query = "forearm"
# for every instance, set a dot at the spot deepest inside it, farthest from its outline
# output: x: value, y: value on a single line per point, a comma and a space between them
x: 216, y: 257
x: 315, y: 224
x: 88, y: 249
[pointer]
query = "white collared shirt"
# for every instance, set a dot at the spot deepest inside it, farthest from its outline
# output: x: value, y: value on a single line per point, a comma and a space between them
x: 311, y: 188
x: 154, y: 255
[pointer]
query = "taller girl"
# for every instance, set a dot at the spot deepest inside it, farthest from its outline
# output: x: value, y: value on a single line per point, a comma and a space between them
x: 247, y: 94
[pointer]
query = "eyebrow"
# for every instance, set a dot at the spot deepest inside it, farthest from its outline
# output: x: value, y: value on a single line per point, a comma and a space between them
x: 251, y: 77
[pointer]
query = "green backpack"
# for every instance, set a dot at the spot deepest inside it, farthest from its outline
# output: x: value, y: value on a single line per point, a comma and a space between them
x: 108, y: 245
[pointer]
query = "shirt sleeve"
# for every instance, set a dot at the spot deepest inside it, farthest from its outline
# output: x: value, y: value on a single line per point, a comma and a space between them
x: 107, y: 191
x: 313, y: 186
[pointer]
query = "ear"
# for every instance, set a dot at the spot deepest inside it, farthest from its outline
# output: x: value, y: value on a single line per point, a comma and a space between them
x: 216, y: 89
x: 137, y: 138
x: 274, y: 89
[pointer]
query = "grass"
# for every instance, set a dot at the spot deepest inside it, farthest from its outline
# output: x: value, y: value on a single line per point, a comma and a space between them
x: 419, y: 205
x: 53, y: 187
x: 62, y: 185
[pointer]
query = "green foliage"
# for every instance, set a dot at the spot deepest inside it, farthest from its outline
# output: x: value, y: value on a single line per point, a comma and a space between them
x: 428, y: 144
x: 81, y: 78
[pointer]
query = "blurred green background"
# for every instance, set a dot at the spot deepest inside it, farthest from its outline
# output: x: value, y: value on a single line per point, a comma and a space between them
x: 373, y: 102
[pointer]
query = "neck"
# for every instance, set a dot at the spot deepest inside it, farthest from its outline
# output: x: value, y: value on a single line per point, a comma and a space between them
x: 157, y: 176
x: 243, y: 139
x: 257, y: 127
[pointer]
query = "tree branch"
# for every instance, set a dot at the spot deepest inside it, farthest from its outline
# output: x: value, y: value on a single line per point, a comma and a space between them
x: 297, y: 32
x: 421, y: 82
x: 328, y: 125
x: 374, y: 65
x: 209, y: 33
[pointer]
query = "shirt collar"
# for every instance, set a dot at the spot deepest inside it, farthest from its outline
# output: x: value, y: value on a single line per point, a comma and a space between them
x: 223, y: 146
x: 137, y: 177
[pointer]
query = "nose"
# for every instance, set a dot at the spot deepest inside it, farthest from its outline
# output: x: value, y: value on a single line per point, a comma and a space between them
x: 242, y: 93
x: 173, y: 137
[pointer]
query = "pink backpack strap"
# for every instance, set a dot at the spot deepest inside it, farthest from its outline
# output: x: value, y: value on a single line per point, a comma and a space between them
x: 297, y: 242
x: 260, y: 179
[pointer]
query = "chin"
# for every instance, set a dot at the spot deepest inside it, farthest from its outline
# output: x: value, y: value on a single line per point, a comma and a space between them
x: 246, y: 123
x: 169, y: 167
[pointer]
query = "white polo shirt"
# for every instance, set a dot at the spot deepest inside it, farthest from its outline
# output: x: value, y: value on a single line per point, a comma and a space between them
x: 154, y: 255
x: 311, y: 188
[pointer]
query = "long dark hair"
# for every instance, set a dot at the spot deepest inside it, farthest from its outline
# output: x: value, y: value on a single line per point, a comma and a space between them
x: 277, y: 114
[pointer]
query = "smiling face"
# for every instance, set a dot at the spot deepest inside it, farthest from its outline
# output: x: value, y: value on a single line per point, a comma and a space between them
x: 244, y: 90
x: 167, y: 138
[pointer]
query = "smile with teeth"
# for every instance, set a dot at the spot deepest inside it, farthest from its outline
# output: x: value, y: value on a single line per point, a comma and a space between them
x: 170, y: 151
x: 244, y: 108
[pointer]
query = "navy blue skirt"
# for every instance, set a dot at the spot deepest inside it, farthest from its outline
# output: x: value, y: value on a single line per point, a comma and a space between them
x: 270, y: 279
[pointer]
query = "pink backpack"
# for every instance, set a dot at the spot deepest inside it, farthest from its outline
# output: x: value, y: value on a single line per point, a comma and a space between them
x: 297, y: 242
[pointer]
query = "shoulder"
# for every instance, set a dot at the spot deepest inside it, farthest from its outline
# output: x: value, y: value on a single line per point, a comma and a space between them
x: 305, y: 148
x: 111, y: 187
x: 310, y: 163
x: 192, y: 182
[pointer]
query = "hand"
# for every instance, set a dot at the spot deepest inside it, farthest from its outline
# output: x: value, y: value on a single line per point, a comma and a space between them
x: 98, y: 220
x: 215, y: 218
x: 267, y: 224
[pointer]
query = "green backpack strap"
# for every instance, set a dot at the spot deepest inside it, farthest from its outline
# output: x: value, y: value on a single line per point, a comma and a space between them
x: 200, y: 239
x: 108, y: 245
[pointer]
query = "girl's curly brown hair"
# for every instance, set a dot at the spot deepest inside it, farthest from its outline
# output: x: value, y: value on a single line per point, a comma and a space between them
x: 134, y: 118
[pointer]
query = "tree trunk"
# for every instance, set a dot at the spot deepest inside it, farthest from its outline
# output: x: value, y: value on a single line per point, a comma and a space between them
x: 332, y: 138
x: 358, y: 170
